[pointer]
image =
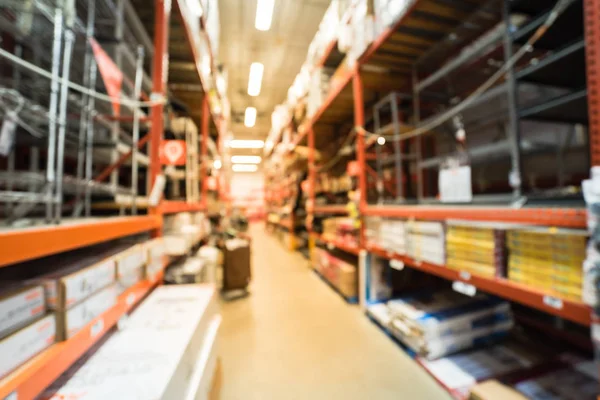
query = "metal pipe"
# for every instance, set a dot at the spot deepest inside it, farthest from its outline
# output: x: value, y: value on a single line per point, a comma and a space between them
x: 62, y: 120
x: 89, y: 149
x: 397, y: 149
x: 378, y: 165
x: 116, y: 126
x: 417, y: 118
x: 136, y: 129
x: 54, y: 87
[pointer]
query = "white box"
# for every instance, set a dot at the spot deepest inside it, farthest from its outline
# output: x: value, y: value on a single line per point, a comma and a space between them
x: 20, y: 305
x: 71, y: 321
x: 153, y: 357
x: 178, y: 245
x: 130, y: 261
x: 26, y: 343
x: 156, y: 252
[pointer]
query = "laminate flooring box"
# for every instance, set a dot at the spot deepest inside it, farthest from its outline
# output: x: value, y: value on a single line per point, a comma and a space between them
x: 153, y: 357
x: 20, y: 305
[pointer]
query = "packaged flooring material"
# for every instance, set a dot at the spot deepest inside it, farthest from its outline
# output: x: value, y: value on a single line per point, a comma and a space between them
x: 71, y: 321
x: 154, y: 356
x: 462, y: 371
x: 19, y: 305
x: 156, y: 252
x: 426, y: 241
x: 393, y: 236
x: 25, y: 343
x: 130, y: 266
x: 577, y: 382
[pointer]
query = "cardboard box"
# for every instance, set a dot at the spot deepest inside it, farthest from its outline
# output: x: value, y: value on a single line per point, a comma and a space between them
x: 20, y: 305
x: 26, y: 343
x: 494, y: 390
x: 79, y: 278
x: 130, y: 261
x: 153, y: 356
x: 71, y: 321
x: 156, y: 252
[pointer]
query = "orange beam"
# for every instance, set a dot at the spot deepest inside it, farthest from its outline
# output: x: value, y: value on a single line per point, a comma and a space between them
x: 204, y: 148
x: 31, y: 379
x: 30, y: 243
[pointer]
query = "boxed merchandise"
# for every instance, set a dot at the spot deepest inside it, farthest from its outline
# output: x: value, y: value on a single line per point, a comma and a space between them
x: 341, y: 274
x: 494, y: 390
x: 156, y: 253
x: 440, y: 323
x: 20, y: 305
x: 177, y: 245
x: 190, y: 270
x: 426, y: 241
x: 71, y: 321
x: 393, y: 236
x: 25, y: 343
x: 551, y: 262
x: 480, y: 250
x: 79, y: 276
x: 155, y: 356
x: 130, y: 266
x: 213, y: 259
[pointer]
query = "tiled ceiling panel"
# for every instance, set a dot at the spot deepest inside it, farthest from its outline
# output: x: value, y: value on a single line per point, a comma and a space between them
x: 282, y: 50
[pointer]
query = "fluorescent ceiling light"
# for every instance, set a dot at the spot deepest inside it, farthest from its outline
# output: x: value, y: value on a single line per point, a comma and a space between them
x: 255, y: 78
x: 250, y: 117
x: 246, y: 159
x: 244, y: 167
x: 264, y: 14
x: 246, y: 144
x: 217, y: 164
x: 195, y: 7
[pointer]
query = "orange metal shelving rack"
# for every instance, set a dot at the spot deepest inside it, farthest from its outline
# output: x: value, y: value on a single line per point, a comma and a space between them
x: 33, y: 377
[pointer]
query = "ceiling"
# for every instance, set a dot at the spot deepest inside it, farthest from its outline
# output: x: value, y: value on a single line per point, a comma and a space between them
x: 282, y: 50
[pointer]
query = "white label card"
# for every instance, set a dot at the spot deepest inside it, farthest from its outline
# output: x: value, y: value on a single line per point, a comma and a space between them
x: 553, y: 302
x: 464, y: 288
x: 455, y: 185
x: 397, y: 265
x: 97, y: 328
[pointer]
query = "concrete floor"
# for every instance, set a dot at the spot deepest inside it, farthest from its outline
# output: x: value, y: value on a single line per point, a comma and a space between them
x: 294, y: 338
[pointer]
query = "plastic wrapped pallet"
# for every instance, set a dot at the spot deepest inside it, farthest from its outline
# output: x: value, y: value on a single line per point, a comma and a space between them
x: 480, y: 250
x: 551, y: 262
x: 25, y: 343
x: 156, y: 356
x: 19, y: 306
x: 442, y: 323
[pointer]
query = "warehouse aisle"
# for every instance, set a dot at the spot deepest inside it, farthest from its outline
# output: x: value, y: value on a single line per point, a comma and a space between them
x: 294, y: 338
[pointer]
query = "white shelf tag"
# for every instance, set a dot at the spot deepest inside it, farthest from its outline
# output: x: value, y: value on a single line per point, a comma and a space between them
x: 130, y: 299
x: 464, y: 288
x: 465, y: 276
x: 97, y: 328
x: 553, y: 302
x: 397, y: 265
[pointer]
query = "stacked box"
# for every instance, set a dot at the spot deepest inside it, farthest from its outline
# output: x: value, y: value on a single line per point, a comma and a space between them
x: 426, y: 241
x: 20, y: 346
x: 372, y: 231
x: 131, y: 266
x: 341, y: 274
x: 318, y: 89
x: 480, y: 251
x: 551, y: 262
x: 155, y: 251
x: 393, y: 236
x: 441, y: 323
x: 341, y: 229
x: 183, y: 231
x: 19, y: 306
x: 167, y: 350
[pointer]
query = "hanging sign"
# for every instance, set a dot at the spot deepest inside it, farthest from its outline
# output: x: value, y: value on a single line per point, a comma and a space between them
x: 110, y: 72
x: 172, y: 152
x: 455, y: 184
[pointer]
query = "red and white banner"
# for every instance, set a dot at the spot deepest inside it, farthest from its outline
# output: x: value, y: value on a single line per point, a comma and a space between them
x: 172, y: 152
x: 111, y: 74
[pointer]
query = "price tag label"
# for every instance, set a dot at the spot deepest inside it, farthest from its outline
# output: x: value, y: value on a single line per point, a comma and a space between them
x: 464, y: 275
x: 464, y: 288
x: 553, y: 302
x: 130, y: 299
x: 122, y: 323
x: 97, y: 328
x: 397, y: 265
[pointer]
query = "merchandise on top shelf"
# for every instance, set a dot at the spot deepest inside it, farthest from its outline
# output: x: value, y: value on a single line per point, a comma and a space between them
x: 426, y: 241
x: 318, y: 89
x: 166, y: 344
x: 551, y: 262
x: 478, y: 250
x: 442, y: 323
x: 19, y: 305
x: 25, y: 343
x: 341, y: 274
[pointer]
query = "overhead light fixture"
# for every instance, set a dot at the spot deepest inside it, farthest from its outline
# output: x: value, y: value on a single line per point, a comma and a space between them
x: 264, y: 14
x: 244, y: 167
x: 217, y: 164
x: 246, y: 159
x: 255, y: 78
x: 245, y: 144
x: 250, y: 117
x: 195, y: 7
x: 381, y: 140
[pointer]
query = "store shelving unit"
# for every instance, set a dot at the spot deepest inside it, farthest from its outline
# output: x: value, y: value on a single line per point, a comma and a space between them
x: 128, y: 23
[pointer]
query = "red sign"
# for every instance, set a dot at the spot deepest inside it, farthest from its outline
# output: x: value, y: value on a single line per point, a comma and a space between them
x: 353, y: 168
x: 172, y: 152
x: 111, y: 74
